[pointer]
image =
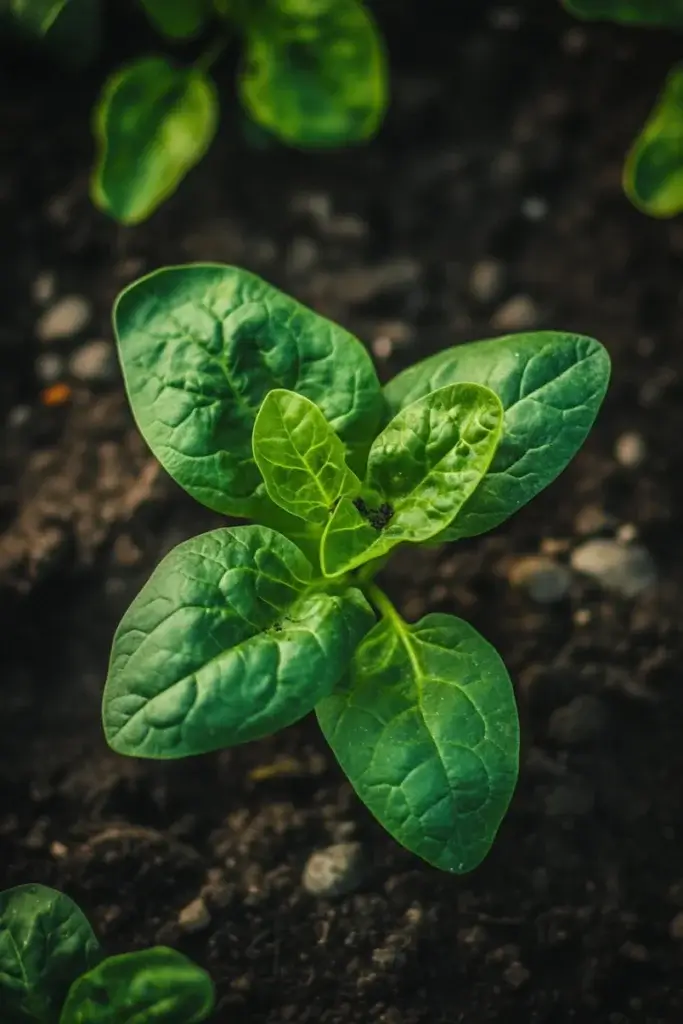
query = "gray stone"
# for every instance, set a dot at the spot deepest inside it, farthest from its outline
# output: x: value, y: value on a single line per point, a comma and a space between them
x: 49, y: 367
x: 630, y: 450
x: 66, y: 317
x: 195, y: 916
x: 580, y: 721
x: 519, y: 313
x: 544, y: 580
x: 487, y: 281
x: 334, y: 870
x: 626, y: 570
x: 94, y: 361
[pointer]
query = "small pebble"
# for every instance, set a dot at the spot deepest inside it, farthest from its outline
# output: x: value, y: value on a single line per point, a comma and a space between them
x: 578, y: 722
x: 18, y: 416
x: 630, y: 450
x: 624, y: 570
x: 49, y: 367
x: 544, y: 580
x: 335, y: 870
x: 67, y: 317
x: 592, y: 520
x: 505, y: 19
x: 534, y: 208
x: 676, y: 927
x: 519, y: 313
x: 195, y: 916
x: 487, y: 281
x: 569, y: 800
x: 382, y: 347
x: 516, y: 974
x: 302, y: 256
x: 95, y: 361
x: 43, y: 287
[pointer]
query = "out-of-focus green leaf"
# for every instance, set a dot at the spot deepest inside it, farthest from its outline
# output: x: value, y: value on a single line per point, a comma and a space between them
x: 36, y: 16
x: 178, y: 19
x: 314, y: 72
x: 630, y: 12
x: 653, y: 173
x: 153, y: 123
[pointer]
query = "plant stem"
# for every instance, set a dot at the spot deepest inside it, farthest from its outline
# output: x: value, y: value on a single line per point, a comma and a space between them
x: 208, y: 58
x: 383, y: 604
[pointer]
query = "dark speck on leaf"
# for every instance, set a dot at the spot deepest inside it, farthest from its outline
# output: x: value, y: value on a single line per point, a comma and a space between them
x: 377, y: 517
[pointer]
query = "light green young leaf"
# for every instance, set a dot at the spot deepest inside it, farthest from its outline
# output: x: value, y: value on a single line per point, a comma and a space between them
x: 551, y: 385
x: 314, y: 74
x: 201, y: 346
x: 178, y: 19
x: 36, y: 16
x: 45, y: 944
x: 301, y: 459
x: 421, y: 470
x: 228, y: 641
x: 152, y: 986
x: 153, y: 123
x: 653, y: 173
x: 630, y: 12
x: 425, y: 727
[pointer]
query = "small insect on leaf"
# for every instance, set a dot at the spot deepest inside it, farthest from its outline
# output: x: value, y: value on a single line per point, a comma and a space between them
x: 153, y: 123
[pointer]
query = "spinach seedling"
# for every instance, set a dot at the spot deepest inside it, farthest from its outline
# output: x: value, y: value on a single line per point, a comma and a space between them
x: 313, y: 75
x: 53, y: 971
x: 263, y: 410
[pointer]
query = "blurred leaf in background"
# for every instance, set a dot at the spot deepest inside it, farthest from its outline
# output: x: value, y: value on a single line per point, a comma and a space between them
x: 653, y: 175
x: 630, y: 12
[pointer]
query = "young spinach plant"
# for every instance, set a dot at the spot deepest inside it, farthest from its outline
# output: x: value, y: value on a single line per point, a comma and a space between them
x: 263, y: 410
x: 53, y: 970
x: 653, y: 171
x: 313, y: 74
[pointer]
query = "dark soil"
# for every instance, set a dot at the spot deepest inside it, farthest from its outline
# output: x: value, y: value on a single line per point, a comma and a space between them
x: 570, y: 918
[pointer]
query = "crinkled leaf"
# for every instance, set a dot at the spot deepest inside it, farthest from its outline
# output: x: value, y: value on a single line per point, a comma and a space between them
x: 152, y: 985
x: 653, y: 174
x: 314, y: 74
x: 46, y: 942
x: 551, y: 385
x: 153, y: 123
x: 178, y: 19
x: 425, y: 727
x: 630, y: 12
x: 301, y: 459
x: 202, y: 345
x: 36, y: 16
x: 228, y: 641
x: 421, y: 470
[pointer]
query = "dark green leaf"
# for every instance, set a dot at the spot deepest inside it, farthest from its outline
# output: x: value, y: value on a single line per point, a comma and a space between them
x: 228, y: 641
x: 551, y: 386
x: 154, y: 985
x: 314, y: 73
x: 425, y: 727
x: 36, y: 16
x: 653, y: 175
x: 178, y: 19
x: 630, y: 12
x: 421, y: 470
x: 153, y: 123
x: 45, y: 944
x: 302, y: 460
x: 201, y: 346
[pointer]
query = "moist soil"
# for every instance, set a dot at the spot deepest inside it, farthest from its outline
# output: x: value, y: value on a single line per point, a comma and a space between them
x: 504, y: 142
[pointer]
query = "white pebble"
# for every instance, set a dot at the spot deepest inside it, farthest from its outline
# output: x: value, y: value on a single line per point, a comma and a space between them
x: 334, y: 871
x: 67, y: 317
x: 625, y: 570
x: 544, y: 580
x: 534, y: 208
x: 95, y: 361
x: 519, y: 313
x: 43, y: 287
x: 49, y: 367
x: 18, y: 416
x: 195, y: 916
x: 630, y: 450
x: 487, y: 280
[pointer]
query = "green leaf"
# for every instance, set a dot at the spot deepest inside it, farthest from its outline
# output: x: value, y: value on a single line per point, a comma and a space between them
x: 315, y: 75
x: 36, y: 16
x: 421, y: 470
x: 551, y: 385
x: 155, y: 984
x: 653, y: 174
x: 302, y: 461
x: 178, y: 19
x: 153, y: 123
x: 425, y: 727
x: 229, y: 640
x: 201, y: 346
x: 45, y: 944
x: 630, y: 12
